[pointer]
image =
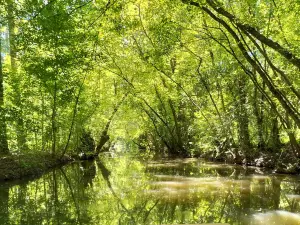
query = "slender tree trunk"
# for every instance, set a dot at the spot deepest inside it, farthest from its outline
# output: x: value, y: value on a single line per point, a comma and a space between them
x: 179, y: 148
x: 275, y: 142
x: 258, y: 101
x: 104, y: 135
x: 293, y: 141
x: 246, y: 28
x: 74, y: 116
x: 176, y: 140
x: 21, y: 137
x: 3, y: 131
x: 244, y: 137
x: 161, y: 137
x: 43, y: 121
x: 277, y: 93
x: 53, y: 119
x: 207, y: 88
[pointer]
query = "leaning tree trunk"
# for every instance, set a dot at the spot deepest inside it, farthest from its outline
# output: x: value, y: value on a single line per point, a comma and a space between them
x: 273, y: 89
x: 246, y: 28
x: 73, y: 117
x: 252, y: 32
x: 104, y: 135
x: 178, y: 145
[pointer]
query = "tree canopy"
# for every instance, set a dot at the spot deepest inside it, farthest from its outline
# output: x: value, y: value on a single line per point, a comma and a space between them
x: 177, y: 78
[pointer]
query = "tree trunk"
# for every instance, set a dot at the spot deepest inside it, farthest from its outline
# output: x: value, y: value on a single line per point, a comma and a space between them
x: 244, y: 137
x: 53, y: 118
x: 73, y: 117
x: 43, y: 120
x: 283, y: 100
x: 275, y: 142
x: 3, y: 132
x: 21, y: 137
x: 291, y: 57
x: 104, y: 135
x: 259, y: 121
x: 293, y: 141
x: 274, y: 90
x: 178, y: 146
x: 258, y: 102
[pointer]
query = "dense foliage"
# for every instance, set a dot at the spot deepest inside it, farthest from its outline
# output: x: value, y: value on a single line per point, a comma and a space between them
x: 174, y: 77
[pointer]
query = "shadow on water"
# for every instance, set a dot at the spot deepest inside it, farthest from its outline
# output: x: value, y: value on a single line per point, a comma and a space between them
x: 124, y: 190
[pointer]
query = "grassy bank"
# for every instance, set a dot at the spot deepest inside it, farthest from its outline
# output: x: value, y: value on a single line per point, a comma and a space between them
x: 30, y: 165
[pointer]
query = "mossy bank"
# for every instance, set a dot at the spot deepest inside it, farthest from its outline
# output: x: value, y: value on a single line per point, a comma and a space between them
x: 14, y: 167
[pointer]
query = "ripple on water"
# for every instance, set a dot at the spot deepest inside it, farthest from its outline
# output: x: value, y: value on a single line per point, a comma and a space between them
x: 209, y: 182
x: 180, y: 188
x: 163, y: 165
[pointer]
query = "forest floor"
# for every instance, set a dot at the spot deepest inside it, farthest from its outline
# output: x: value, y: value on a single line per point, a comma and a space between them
x: 14, y: 167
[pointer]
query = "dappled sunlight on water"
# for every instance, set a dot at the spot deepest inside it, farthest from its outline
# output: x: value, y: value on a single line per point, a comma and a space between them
x: 276, y: 218
x: 124, y: 190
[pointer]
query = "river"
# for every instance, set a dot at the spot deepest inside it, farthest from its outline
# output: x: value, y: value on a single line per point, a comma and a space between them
x: 127, y: 190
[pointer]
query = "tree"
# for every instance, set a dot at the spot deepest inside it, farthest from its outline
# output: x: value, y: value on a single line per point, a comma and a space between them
x: 13, y: 74
x: 3, y: 131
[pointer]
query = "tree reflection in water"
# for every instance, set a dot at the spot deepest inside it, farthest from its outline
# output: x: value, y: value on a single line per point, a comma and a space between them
x: 124, y: 190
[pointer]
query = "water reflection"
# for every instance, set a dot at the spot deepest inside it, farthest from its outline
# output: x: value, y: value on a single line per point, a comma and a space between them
x: 124, y: 190
x: 276, y: 217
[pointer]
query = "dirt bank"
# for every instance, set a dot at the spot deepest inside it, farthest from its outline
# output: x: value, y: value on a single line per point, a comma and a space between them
x: 30, y: 165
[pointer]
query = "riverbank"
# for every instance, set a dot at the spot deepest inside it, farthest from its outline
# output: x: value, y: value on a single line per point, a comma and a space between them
x: 283, y: 162
x: 14, y: 167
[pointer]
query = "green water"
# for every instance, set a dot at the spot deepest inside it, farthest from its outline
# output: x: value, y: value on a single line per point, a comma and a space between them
x: 125, y: 190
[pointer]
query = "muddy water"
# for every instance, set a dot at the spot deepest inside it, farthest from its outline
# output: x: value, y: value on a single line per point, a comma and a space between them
x: 126, y: 190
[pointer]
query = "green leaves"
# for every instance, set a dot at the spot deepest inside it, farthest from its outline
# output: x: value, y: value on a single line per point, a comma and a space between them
x: 181, y: 65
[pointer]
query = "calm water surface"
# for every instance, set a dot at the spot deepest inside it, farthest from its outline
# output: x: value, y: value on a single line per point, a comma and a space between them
x: 125, y: 190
